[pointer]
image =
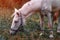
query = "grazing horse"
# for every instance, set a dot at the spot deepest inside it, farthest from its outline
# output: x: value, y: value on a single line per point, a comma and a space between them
x: 30, y: 7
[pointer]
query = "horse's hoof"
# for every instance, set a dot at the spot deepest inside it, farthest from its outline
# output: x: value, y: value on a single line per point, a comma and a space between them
x: 51, y: 36
x: 58, y: 31
x: 41, y: 34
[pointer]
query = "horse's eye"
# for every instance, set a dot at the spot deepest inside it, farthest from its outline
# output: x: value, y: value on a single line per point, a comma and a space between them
x: 18, y: 14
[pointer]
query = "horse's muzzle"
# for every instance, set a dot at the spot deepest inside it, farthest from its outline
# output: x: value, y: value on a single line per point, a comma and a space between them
x: 13, y: 32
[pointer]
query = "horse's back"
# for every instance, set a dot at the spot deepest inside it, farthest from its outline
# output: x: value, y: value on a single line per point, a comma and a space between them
x: 56, y: 3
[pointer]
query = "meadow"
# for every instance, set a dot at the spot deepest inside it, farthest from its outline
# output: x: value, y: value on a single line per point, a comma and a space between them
x: 32, y: 29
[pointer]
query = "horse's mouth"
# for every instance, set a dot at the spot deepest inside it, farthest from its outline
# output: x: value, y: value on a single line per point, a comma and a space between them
x: 13, y: 32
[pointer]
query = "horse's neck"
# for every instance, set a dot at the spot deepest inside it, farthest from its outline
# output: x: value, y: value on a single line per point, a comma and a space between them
x: 25, y: 9
x: 24, y: 12
x: 30, y: 6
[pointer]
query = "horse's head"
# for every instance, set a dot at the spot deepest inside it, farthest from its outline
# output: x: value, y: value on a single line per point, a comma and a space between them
x: 17, y: 21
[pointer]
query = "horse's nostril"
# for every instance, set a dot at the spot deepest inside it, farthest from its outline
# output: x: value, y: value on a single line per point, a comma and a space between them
x: 16, y: 21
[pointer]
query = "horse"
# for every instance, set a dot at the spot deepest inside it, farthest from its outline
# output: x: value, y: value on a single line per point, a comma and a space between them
x: 30, y: 7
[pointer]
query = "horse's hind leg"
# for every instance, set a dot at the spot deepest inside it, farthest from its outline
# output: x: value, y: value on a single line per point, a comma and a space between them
x: 41, y: 23
x: 58, y: 28
x: 55, y: 17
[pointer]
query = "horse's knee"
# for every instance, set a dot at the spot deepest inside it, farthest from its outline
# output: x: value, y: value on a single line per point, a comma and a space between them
x: 49, y: 25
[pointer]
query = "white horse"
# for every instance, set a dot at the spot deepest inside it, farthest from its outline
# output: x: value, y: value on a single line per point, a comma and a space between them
x: 29, y: 8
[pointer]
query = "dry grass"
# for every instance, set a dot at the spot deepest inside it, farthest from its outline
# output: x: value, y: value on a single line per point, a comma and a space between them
x: 12, y: 3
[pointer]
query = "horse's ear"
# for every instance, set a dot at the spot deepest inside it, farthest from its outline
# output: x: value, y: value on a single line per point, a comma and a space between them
x: 16, y: 9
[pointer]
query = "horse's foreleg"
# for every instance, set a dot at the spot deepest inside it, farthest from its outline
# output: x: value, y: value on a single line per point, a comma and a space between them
x: 41, y: 23
x: 49, y: 21
x: 50, y: 24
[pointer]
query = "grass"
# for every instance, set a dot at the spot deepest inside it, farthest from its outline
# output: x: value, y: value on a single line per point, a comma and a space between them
x: 31, y: 29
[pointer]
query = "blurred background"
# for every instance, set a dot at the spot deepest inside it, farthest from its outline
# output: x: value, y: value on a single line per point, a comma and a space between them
x: 6, y: 6
x: 31, y: 29
x: 12, y: 3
